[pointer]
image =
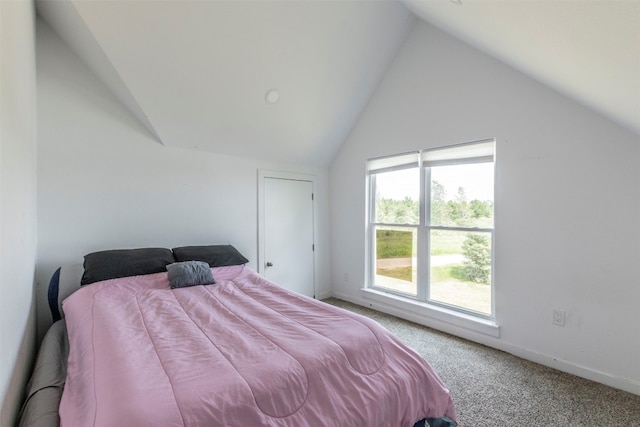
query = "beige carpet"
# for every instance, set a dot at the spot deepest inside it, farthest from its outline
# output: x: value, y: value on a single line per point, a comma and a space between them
x: 493, y: 388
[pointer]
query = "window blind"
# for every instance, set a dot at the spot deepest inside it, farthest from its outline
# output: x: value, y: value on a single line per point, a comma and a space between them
x: 392, y: 163
x: 470, y: 152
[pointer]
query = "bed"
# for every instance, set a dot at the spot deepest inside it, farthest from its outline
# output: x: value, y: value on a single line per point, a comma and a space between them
x: 193, y: 337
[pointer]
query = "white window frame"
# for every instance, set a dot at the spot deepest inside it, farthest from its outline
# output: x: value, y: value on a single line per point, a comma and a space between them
x: 482, y: 151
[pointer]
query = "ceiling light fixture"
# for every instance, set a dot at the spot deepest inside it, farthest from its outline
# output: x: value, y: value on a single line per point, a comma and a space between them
x: 272, y: 96
x: 458, y: 2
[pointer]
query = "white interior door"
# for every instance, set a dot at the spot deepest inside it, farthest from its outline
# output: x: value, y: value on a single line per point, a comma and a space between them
x: 288, y: 237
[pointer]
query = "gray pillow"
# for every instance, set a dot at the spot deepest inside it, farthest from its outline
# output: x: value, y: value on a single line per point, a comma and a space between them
x: 189, y: 273
x: 116, y: 263
x: 215, y: 255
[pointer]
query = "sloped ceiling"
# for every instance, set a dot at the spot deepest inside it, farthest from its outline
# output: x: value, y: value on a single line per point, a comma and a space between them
x: 197, y: 73
x: 589, y: 50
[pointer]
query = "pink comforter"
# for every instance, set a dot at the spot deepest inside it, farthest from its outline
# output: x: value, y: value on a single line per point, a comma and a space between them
x: 243, y: 352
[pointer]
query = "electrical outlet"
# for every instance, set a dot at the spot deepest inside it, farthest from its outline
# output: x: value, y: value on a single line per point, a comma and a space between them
x: 346, y: 278
x: 558, y: 317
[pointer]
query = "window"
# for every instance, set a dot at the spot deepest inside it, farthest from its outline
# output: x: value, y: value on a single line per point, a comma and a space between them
x: 430, y: 229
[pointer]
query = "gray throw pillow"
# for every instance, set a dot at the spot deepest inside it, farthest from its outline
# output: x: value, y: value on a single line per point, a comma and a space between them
x: 189, y: 273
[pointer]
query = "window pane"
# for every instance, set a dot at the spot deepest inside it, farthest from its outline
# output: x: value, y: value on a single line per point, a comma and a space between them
x: 462, y: 195
x: 460, y: 264
x: 395, y: 267
x: 397, y: 197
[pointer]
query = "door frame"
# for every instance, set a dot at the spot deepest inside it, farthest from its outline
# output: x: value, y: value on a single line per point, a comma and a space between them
x: 262, y: 174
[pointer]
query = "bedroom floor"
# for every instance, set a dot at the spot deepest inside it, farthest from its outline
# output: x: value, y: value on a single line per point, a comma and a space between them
x: 494, y: 388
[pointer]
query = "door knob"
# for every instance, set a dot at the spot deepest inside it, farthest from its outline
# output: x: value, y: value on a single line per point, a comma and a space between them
x: 269, y: 264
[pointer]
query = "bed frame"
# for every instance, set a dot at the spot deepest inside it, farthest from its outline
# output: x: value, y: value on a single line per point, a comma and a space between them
x: 44, y: 390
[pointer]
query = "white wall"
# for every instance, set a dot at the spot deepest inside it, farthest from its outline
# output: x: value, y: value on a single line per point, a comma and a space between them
x: 103, y: 181
x: 567, y: 199
x: 17, y: 202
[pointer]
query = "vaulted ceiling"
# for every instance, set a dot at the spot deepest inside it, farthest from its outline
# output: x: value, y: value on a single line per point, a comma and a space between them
x: 197, y: 73
x: 287, y: 80
x: 588, y: 50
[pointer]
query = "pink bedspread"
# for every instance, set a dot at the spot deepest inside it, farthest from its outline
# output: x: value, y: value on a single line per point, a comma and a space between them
x: 243, y: 352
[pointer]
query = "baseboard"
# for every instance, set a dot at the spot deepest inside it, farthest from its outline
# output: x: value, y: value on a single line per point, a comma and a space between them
x: 524, y: 353
x: 323, y: 295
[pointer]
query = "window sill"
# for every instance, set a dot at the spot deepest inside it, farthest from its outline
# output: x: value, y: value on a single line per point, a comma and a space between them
x: 411, y: 309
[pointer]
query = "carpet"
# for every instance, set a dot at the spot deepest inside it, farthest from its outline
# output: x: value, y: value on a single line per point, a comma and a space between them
x: 493, y: 388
